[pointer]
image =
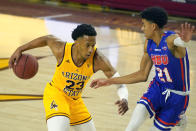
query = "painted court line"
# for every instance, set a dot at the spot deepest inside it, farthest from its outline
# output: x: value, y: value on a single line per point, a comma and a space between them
x: 54, y: 16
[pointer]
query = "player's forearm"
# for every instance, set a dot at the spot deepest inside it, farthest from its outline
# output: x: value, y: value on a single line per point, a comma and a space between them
x: 39, y: 42
x: 129, y: 79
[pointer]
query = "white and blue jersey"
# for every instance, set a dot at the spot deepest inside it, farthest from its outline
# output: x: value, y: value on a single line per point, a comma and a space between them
x: 167, y: 96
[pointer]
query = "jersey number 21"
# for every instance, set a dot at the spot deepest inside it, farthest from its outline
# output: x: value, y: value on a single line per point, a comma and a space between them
x: 160, y: 74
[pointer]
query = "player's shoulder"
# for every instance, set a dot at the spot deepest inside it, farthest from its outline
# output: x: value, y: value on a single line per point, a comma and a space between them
x: 170, y: 35
x: 55, y: 40
x: 98, y: 56
x: 170, y: 39
x: 57, y: 46
x: 100, y: 61
x: 147, y: 41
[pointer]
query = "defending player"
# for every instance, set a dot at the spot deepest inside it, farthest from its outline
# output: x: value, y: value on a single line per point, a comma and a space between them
x: 168, y: 94
x: 76, y: 62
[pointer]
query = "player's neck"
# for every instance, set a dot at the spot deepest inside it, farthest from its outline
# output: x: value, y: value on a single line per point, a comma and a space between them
x: 76, y: 56
x: 157, y: 36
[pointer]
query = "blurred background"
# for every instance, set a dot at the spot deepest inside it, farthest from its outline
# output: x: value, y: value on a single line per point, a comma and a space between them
x: 119, y: 39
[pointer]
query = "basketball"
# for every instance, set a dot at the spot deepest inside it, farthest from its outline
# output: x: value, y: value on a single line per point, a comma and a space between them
x: 26, y: 67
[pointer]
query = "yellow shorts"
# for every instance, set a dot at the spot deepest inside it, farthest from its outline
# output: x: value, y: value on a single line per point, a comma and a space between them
x: 56, y: 103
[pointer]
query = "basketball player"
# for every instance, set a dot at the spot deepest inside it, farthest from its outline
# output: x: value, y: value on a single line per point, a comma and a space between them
x: 76, y: 62
x: 167, y: 96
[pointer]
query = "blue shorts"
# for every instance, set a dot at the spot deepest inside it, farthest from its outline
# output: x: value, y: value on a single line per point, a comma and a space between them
x: 167, y: 113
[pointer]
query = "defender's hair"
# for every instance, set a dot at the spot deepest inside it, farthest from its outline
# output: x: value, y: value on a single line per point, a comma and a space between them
x: 156, y: 15
x: 83, y: 29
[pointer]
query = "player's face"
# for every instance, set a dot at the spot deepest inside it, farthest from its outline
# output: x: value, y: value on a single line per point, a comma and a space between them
x: 87, y: 46
x: 147, y: 28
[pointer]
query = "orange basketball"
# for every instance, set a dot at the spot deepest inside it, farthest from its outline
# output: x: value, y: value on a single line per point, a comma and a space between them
x: 26, y: 67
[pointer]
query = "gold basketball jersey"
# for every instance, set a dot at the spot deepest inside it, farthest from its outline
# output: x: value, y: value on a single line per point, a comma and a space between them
x: 70, y: 78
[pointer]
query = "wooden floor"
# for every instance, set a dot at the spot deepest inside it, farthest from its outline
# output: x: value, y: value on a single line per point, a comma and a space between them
x: 123, y: 48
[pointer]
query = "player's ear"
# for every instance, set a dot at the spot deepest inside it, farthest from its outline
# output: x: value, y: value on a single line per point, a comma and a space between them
x: 154, y: 26
x: 78, y: 40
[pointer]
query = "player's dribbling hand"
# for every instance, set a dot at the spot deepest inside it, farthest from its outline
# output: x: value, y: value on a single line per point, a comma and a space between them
x: 122, y: 106
x: 98, y: 83
x: 186, y: 32
x: 14, y: 58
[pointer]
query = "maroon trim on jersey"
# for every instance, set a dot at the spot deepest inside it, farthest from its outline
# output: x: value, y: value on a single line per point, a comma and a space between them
x: 94, y: 60
x: 63, y: 55
x: 81, y: 122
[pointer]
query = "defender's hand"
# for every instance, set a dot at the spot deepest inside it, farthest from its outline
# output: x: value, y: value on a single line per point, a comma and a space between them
x: 186, y: 32
x: 99, y: 82
x: 14, y: 58
x: 122, y: 106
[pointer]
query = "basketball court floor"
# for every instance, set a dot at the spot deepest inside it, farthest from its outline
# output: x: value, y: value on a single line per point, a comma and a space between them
x: 21, y: 107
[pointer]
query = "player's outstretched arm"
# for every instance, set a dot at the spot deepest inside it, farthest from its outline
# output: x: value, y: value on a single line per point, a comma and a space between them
x: 54, y: 43
x: 140, y: 76
x: 103, y: 64
x: 182, y: 37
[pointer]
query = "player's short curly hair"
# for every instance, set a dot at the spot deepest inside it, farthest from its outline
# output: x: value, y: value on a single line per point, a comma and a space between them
x: 156, y: 15
x: 83, y: 29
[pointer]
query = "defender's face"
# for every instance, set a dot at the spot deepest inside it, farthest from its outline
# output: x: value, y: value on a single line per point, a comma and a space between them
x: 147, y: 28
x: 87, y: 46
